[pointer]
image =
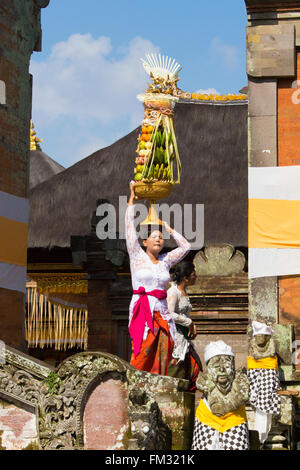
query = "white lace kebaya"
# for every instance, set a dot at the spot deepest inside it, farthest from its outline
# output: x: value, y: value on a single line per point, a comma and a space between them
x: 180, y: 308
x: 145, y: 273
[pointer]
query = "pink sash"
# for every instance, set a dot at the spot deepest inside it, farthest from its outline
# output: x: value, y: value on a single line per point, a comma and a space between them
x: 142, y: 315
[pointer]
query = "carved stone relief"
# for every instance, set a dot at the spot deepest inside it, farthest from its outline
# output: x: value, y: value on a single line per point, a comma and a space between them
x: 59, y: 398
x: 219, y: 260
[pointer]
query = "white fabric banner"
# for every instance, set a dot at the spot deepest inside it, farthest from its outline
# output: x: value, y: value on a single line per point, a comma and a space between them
x: 13, y: 277
x: 273, y: 262
x: 279, y: 182
x: 14, y: 207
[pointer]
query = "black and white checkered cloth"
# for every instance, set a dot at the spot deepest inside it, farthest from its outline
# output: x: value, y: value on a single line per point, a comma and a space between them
x: 236, y: 438
x: 264, y: 384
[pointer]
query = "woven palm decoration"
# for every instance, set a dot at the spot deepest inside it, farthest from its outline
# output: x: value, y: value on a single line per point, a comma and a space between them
x: 161, y: 66
x: 157, y: 152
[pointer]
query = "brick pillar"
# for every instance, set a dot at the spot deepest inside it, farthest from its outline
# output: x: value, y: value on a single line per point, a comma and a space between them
x: 289, y: 154
x: 20, y: 35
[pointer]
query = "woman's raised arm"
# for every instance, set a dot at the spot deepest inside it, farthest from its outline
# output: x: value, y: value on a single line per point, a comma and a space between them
x: 176, y: 255
x: 132, y: 242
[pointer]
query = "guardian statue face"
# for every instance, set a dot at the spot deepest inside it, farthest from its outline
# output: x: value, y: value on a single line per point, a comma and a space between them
x: 224, y: 387
x: 221, y: 371
x: 261, y: 346
x: 262, y: 340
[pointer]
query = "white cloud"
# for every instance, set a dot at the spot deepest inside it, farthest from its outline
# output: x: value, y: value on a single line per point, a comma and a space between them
x: 207, y: 91
x: 82, y: 80
x: 85, y: 90
x: 225, y: 53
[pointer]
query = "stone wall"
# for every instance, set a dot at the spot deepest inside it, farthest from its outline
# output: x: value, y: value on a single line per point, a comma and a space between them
x: 239, y: 344
x: 18, y: 428
x: 91, y: 401
x: 105, y: 419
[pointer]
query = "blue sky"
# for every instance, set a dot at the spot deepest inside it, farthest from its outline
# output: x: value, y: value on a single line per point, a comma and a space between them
x: 87, y: 76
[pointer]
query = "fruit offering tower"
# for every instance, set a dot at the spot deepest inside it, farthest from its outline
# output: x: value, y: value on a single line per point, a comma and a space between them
x: 158, y: 165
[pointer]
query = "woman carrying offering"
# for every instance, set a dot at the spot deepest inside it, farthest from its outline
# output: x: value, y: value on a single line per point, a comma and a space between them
x: 185, y: 362
x: 151, y: 326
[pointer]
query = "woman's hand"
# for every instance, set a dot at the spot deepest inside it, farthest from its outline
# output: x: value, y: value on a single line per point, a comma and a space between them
x: 167, y: 227
x: 192, y: 331
x: 132, y: 196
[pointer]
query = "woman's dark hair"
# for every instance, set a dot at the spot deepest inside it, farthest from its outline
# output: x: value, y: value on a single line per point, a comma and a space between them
x: 182, y: 270
x: 146, y: 230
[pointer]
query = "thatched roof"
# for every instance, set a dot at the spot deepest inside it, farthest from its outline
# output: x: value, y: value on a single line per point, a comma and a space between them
x: 212, y: 143
x: 42, y: 168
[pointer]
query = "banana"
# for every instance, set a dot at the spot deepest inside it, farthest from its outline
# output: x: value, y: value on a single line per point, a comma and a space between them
x: 161, y: 171
x: 151, y: 172
x: 166, y: 157
x: 161, y: 159
x: 157, y: 156
x: 163, y: 138
x: 156, y: 171
x: 158, y: 138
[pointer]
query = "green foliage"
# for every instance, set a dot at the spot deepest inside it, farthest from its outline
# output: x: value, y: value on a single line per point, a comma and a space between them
x: 53, y: 382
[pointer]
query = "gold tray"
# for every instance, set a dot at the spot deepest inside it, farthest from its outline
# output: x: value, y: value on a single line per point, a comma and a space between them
x: 153, y: 191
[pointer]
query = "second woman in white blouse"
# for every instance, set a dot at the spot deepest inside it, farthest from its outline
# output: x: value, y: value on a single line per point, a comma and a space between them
x: 185, y: 361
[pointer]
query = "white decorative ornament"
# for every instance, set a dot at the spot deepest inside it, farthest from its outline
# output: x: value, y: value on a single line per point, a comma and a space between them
x: 259, y: 328
x: 161, y: 66
x: 217, y: 348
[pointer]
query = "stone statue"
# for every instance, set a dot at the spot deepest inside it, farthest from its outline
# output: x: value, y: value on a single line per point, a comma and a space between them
x: 261, y: 345
x: 263, y: 378
x: 221, y: 421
